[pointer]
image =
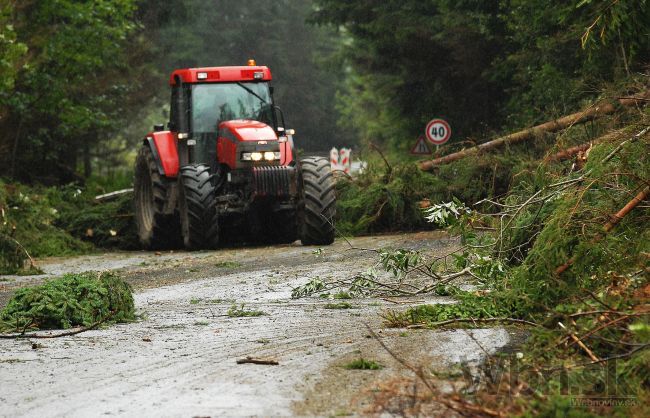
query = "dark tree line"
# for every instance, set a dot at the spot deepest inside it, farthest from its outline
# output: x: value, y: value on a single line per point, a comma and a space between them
x: 82, y: 80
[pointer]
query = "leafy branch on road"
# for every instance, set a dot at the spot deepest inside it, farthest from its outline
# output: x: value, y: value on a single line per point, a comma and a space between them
x: 240, y: 311
x: 87, y: 300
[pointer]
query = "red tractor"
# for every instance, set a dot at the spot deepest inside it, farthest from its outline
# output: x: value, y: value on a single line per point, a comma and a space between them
x: 226, y: 167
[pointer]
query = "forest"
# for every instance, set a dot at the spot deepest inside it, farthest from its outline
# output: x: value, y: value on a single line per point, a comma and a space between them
x: 82, y: 81
x: 546, y: 178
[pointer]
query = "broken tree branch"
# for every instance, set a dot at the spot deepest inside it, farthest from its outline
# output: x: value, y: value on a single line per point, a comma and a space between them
x: 570, y: 152
x: 62, y: 334
x: 580, y: 343
x: 603, y: 360
x: 251, y: 360
x: 32, y: 263
x: 112, y: 195
x: 476, y: 320
x: 615, y: 219
x: 591, y: 113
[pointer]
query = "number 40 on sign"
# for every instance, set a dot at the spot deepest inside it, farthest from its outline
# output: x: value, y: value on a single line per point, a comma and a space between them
x: 438, y: 131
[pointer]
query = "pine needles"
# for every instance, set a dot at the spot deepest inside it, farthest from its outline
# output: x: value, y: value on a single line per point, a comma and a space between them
x: 71, y: 300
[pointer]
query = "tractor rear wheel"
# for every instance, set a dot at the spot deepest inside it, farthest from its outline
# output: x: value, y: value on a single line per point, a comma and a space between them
x: 158, y: 227
x: 197, y: 207
x: 318, y: 204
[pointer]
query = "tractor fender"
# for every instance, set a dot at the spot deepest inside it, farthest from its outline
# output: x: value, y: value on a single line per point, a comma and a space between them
x: 165, y: 152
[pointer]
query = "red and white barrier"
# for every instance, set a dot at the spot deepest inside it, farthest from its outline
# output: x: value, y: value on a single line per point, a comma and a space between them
x: 341, y: 160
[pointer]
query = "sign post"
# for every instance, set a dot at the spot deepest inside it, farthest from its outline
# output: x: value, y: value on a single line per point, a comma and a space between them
x: 438, y: 132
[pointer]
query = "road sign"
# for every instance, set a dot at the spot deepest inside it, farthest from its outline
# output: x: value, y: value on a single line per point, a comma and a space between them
x: 421, y: 147
x: 438, y: 131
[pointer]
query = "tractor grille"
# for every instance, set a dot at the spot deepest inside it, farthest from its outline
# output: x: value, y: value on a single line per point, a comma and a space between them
x: 274, y: 181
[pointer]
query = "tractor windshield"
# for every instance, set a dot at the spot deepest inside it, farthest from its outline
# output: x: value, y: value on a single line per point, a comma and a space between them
x: 215, y: 103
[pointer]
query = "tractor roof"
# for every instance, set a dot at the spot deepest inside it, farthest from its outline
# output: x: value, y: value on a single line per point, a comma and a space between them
x: 222, y: 74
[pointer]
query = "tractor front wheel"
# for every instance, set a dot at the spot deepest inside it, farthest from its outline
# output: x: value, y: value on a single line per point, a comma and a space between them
x: 197, y: 207
x: 158, y: 227
x: 318, y: 202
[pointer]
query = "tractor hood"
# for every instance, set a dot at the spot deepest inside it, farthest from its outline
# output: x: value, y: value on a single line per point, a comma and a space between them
x: 238, y: 139
x: 246, y: 130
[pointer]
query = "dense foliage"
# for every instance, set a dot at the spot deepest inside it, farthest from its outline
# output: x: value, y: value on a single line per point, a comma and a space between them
x: 561, y: 258
x: 481, y: 65
x: 83, y: 81
x: 50, y: 221
x: 68, y: 60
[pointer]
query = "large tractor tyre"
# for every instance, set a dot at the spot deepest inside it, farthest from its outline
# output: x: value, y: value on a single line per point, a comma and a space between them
x: 197, y: 207
x: 157, y: 224
x: 318, y: 203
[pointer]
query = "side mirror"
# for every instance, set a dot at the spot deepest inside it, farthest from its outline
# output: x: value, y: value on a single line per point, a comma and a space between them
x: 159, y: 127
x: 279, y: 112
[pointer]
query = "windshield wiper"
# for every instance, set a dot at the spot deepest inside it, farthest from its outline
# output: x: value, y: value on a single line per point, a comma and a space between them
x: 252, y: 92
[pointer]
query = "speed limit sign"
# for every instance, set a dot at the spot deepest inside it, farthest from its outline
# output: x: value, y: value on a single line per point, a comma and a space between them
x: 438, y: 131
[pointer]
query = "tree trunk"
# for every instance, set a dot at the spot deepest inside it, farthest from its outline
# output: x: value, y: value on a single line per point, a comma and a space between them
x: 593, y: 112
x: 570, y: 152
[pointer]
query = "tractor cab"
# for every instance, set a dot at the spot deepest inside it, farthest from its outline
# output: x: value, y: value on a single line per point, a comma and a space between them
x: 226, y: 161
x: 224, y: 102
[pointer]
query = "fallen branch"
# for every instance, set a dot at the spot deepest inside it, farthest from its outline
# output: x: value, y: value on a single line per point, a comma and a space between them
x: 112, y: 195
x: 603, y: 360
x: 458, y: 404
x: 615, y: 219
x: 251, y: 360
x: 32, y: 263
x: 620, y: 146
x: 456, y: 320
x: 580, y: 343
x: 570, y: 152
x: 591, y: 113
x: 605, y: 325
x: 63, y: 334
x: 402, y: 302
x: 418, y: 372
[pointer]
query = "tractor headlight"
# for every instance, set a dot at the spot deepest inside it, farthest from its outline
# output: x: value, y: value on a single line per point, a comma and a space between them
x: 251, y: 156
x: 258, y: 156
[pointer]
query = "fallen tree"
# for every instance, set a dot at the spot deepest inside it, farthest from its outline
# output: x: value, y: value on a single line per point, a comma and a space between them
x: 567, y: 153
x: 591, y: 113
